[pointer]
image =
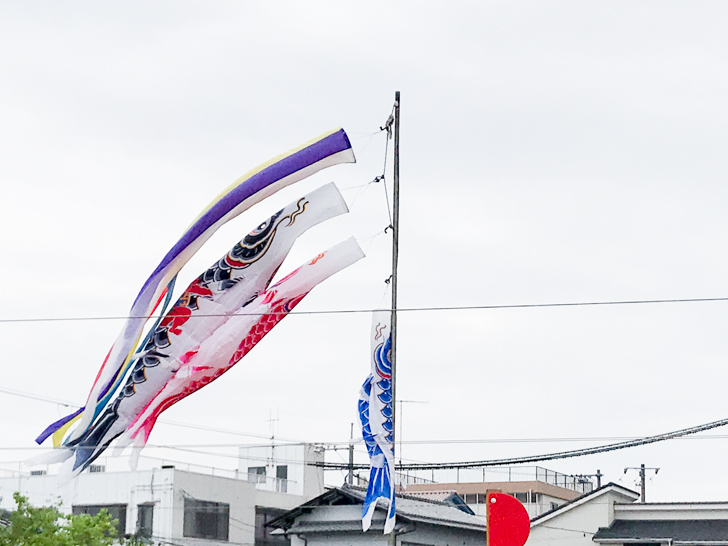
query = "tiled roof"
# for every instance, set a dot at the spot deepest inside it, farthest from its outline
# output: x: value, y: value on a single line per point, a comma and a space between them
x: 695, y: 531
x: 408, y: 508
x: 426, y: 510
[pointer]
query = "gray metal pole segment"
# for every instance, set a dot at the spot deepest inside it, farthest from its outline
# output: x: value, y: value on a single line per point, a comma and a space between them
x: 395, y: 259
x: 351, y: 456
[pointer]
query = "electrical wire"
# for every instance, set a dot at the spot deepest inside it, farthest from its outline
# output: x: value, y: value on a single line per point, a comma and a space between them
x: 399, y: 309
x: 549, y: 456
x: 164, y: 421
x: 332, y: 445
x: 289, y: 441
x: 39, y: 398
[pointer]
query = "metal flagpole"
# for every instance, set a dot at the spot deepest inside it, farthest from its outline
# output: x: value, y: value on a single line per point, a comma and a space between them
x: 395, y: 258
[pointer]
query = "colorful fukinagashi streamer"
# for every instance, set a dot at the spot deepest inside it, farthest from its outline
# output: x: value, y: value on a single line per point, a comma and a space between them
x: 329, y: 149
x: 240, y: 333
x: 375, y: 414
x: 251, y: 262
x: 234, y: 281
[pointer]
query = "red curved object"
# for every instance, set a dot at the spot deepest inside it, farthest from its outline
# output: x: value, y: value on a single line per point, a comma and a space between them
x: 508, y: 521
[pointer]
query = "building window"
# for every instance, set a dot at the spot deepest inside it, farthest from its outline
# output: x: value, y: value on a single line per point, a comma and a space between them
x: 204, y: 519
x: 535, y: 497
x: 521, y: 497
x: 115, y: 511
x: 471, y: 498
x: 145, y: 520
x: 263, y: 536
x: 282, y: 478
x: 482, y: 498
x: 256, y: 474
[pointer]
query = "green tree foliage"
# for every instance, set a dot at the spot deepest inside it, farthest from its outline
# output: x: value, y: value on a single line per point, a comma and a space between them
x: 31, y: 526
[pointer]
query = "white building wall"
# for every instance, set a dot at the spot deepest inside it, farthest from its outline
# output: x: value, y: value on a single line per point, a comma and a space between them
x: 130, y: 488
x: 541, y: 506
x: 167, y: 488
x: 544, y: 504
x: 577, y: 525
x: 677, y: 511
x: 239, y: 494
x: 284, y: 501
x: 442, y: 536
x: 303, y: 480
x: 313, y: 477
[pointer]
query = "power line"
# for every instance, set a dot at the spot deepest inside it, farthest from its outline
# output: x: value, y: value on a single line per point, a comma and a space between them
x: 163, y: 421
x: 399, y: 309
x: 39, y: 398
x: 289, y: 441
x: 333, y: 445
x: 550, y: 456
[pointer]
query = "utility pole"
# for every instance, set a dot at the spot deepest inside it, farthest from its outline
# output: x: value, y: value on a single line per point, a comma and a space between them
x: 643, y: 473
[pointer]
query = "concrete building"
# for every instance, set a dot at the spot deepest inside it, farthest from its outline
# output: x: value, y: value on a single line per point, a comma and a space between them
x: 284, y: 468
x: 538, y: 489
x: 575, y: 523
x: 283, y: 478
x: 335, y: 518
x: 667, y: 524
x: 610, y: 516
x: 172, y: 505
x: 162, y: 504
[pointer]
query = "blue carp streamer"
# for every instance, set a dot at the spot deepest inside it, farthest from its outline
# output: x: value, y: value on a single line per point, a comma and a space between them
x: 375, y: 414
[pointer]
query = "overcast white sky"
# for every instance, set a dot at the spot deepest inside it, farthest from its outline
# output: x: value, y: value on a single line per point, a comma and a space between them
x: 551, y: 152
